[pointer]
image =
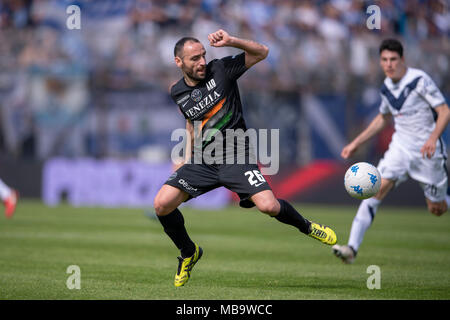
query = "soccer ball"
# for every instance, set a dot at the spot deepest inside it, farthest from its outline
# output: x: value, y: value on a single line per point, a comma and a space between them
x: 362, y: 180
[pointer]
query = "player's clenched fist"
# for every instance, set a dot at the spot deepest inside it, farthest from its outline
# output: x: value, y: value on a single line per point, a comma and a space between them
x: 219, y: 38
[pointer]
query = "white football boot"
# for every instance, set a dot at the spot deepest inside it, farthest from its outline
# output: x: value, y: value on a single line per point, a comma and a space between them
x: 346, y: 253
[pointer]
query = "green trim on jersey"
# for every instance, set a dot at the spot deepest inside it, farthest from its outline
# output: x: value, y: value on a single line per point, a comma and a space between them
x: 218, y: 126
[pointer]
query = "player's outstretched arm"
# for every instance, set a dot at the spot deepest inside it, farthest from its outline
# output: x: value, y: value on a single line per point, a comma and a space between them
x: 377, y: 124
x: 254, y: 52
x: 443, y: 118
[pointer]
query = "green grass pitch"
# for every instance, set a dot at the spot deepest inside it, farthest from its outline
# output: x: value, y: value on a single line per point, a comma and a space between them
x: 123, y: 254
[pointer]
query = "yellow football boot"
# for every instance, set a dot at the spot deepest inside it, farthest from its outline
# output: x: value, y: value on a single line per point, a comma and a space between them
x: 322, y: 233
x: 185, y: 267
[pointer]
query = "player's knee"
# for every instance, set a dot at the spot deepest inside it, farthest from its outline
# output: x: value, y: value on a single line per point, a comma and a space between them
x: 158, y: 206
x: 161, y: 207
x: 268, y: 206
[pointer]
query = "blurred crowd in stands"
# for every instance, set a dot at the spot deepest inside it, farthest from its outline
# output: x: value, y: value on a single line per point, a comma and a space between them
x: 317, y: 47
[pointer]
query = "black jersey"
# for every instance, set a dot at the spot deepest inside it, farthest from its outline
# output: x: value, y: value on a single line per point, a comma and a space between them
x: 214, y: 103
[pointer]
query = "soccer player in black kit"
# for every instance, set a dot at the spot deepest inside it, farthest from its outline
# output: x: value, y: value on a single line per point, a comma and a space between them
x: 208, y: 97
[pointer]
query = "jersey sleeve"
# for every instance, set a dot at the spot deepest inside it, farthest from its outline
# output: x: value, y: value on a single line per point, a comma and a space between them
x: 428, y: 90
x: 173, y: 95
x: 384, y: 108
x: 234, y: 65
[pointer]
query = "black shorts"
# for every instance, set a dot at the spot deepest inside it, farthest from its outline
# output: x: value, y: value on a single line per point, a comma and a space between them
x: 197, y: 179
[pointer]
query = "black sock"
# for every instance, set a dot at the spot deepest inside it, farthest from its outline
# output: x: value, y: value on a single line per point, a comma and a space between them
x: 173, y: 224
x: 290, y: 216
x: 354, y: 251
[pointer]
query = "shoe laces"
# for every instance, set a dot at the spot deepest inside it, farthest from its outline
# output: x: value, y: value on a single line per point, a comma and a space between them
x: 188, y: 266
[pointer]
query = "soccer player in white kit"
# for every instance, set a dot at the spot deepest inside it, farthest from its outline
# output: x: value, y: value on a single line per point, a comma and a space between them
x: 420, y: 115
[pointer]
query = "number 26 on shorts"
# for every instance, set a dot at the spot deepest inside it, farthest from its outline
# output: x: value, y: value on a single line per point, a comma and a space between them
x: 255, y: 178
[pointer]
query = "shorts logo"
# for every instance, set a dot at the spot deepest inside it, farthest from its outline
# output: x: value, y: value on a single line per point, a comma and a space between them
x: 255, y: 178
x: 186, y: 185
x: 196, y: 95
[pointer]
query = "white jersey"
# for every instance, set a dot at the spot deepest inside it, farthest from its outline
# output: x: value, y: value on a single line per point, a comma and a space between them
x: 411, y: 102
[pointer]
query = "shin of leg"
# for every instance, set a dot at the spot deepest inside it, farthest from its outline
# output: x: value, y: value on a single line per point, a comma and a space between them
x: 386, y: 186
x: 266, y: 202
x: 168, y: 199
x: 437, y: 208
x: 362, y: 221
x: 366, y: 213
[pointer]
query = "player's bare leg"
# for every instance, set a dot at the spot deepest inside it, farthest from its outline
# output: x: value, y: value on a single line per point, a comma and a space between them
x: 168, y: 199
x: 362, y: 221
x: 385, y: 188
x: 281, y: 210
x: 266, y: 202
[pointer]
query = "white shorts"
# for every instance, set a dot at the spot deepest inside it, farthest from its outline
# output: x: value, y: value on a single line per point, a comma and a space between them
x: 398, y: 164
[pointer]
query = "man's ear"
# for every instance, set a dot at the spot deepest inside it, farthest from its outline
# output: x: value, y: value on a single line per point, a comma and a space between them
x: 178, y: 62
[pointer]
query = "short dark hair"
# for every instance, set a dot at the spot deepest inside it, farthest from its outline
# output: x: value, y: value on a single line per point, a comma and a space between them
x: 180, y: 45
x: 392, y: 45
